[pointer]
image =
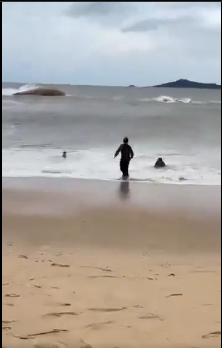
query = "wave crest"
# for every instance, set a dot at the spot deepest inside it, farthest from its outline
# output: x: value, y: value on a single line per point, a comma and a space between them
x: 34, y: 89
x: 166, y: 99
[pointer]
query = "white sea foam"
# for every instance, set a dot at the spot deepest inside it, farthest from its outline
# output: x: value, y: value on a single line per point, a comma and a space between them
x: 35, y: 89
x: 12, y: 91
x: 167, y: 99
x: 97, y: 164
x: 9, y: 91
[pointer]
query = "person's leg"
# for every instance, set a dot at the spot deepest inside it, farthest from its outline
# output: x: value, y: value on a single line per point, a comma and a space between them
x: 127, y: 169
x: 122, y: 167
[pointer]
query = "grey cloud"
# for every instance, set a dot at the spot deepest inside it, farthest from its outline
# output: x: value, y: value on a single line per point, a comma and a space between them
x: 182, y: 24
x: 100, y: 11
x: 184, y: 5
x: 186, y: 35
x: 155, y: 24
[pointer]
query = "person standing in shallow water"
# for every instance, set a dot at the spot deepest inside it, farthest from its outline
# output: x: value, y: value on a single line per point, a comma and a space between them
x: 126, y: 155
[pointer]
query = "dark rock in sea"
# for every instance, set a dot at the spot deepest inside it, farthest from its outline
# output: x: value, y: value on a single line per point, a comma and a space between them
x: 42, y: 92
x: 189, y: 84
x: 181, y: 178
x: 159, y: 163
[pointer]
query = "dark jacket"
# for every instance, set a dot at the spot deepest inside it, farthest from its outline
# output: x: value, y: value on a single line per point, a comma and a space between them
x: 126, y: 152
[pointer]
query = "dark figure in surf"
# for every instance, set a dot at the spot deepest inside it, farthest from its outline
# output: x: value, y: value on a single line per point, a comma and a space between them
x: 64, y: 154
x: 126, y: 156
x: 160, y: 163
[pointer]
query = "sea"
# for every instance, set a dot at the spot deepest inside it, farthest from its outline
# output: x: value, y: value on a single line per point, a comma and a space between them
x: 183, y: 126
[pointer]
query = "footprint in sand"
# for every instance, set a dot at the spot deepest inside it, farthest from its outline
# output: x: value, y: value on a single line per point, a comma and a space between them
x: 5, y: 324
x: 103, y: 269
x: 174, y: 295
x: 104, y: 276
x: 37, y: 286
x: 107, y: 309
x: 58, y: 304
x: 23, y: 257
x: 59, y: 265
x: 97, y: 326
x: 212, y: 334
x: 60, y: 314
x: 8, y: 321
x: 6, y: 328
x: 138, y: 306
x: 12, y: 295
x: 33, y: 335
x: 151, y: 316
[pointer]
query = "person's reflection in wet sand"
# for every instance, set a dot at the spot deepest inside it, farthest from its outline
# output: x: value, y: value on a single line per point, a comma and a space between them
x: 124, y: 190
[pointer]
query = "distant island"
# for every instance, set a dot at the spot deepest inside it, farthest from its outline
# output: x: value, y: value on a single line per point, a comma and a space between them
x: 189, y: 84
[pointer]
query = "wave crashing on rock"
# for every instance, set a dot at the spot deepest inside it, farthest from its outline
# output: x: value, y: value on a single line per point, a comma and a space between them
x: 39, y: 91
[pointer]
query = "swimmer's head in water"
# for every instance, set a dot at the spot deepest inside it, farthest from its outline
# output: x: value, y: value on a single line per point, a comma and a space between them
x: 125, y: 140
x: 64, y: 155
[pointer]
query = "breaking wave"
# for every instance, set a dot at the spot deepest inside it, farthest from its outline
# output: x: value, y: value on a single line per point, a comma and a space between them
x: 32, y: 90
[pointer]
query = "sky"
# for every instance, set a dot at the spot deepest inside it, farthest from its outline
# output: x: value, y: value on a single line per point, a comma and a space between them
x: 113, y: 43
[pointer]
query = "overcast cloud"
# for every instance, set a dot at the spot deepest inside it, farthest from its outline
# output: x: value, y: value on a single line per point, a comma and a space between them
x: 111, y: 43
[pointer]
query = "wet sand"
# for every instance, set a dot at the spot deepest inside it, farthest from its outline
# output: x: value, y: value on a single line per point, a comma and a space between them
x: 87, y: 264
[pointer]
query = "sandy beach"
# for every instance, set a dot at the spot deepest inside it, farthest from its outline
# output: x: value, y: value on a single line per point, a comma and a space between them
x: 100, y: 264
